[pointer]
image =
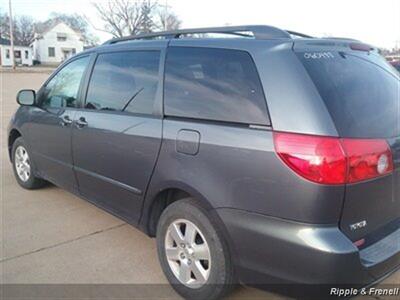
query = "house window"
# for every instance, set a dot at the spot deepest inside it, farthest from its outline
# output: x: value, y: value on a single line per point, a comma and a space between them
x: 26, y: 54
x: 7, y: 53
x: 61, y: 37
x: 52, y: 52
x: 73, y: 51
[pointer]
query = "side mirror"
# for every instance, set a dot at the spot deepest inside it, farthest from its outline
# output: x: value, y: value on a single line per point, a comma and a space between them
x: 26, y: 97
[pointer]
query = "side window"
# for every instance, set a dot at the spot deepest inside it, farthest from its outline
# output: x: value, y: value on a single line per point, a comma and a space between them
x: 62, y: 89
x: 213, y: 84
x: 124, y: 81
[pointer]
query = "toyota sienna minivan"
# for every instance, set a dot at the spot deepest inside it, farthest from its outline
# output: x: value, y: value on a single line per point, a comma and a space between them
x: 253, y: 154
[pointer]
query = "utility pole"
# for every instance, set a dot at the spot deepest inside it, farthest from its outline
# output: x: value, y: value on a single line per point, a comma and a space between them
x: 11, y: 36
x: 165, y: 15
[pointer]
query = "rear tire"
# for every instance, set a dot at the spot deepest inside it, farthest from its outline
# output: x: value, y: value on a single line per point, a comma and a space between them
x: 198, y: 264
x: 23, y: 167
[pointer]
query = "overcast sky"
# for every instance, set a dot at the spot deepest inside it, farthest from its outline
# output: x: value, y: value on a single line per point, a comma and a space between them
x: 373, y: 21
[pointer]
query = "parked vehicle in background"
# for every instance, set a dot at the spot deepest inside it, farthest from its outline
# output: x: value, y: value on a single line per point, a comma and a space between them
x: 257, y: 159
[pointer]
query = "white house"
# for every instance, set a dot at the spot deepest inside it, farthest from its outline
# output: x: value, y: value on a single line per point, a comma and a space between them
x: 56, y: 42
x: 22, y: 54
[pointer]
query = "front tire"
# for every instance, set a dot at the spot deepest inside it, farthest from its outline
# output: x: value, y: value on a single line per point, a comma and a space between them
x: 192, y: 253
x: 23, y: 166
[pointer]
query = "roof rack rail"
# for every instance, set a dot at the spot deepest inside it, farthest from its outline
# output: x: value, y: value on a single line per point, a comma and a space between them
x: 260, y: 32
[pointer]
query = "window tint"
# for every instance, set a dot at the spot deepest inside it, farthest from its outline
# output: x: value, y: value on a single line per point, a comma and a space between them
x: 62, y: 89
x: 362, y: 98
x: 124, y: 81
x: 213, y: 84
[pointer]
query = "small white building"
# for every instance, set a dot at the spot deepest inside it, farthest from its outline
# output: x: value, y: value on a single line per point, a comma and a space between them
x: 56, y: 42
x: 22, y: 54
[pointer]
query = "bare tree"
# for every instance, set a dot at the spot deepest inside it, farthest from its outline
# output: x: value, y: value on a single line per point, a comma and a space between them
x: 148, y: 10
x: 168, y: 20
x: 4, y: 26
x: 24, y: 32
x: 121, y: 17
x: 23, y: 29
x: 124, y: 17
x: 114, y: 15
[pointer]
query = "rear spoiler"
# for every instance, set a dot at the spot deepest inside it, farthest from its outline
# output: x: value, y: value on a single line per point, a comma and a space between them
x: 338, y: 44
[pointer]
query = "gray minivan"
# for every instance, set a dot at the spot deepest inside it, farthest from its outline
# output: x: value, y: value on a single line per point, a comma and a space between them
x: 253, y: 154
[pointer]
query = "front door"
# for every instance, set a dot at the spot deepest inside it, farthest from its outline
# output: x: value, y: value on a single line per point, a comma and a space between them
x: 66, y: 54
x: 117, y: 135
x: 51, y: 124
x: 18, y: 57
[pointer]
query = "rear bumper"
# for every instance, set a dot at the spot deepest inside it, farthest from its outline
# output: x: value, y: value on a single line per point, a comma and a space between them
x: 269, y: 250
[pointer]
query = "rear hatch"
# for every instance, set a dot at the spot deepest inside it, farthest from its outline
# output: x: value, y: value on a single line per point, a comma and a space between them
x: 362, y: 94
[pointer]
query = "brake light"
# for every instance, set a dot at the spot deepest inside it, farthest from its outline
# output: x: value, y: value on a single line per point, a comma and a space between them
x: 367, y: 159
x: 319, y: 159
x: 330, y: 160
x: 361, y: 47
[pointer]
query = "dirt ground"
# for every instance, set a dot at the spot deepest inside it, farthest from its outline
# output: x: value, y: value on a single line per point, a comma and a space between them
x: 50, y: 236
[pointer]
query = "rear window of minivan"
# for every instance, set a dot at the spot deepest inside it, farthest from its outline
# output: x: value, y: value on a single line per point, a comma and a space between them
x: 362, y: 97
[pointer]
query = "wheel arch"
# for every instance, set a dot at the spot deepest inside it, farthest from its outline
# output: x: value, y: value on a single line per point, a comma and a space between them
x: 12, y: 136
x: 167, y: 194
x: 156, y: 202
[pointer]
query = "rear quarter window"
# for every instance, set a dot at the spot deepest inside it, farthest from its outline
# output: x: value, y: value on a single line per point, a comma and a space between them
x: 362, y: 97
x: 213, y: 84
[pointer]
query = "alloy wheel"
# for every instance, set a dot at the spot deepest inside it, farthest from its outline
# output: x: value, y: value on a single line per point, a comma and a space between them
x: 22, y: 163
x: 188, y: 253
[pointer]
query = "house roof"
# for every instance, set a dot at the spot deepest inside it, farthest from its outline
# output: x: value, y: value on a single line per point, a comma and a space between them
x: 42, y: 28
x: 7, y: 42
x: 4, y: 42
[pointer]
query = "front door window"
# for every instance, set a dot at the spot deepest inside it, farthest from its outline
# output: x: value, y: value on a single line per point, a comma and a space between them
x: 62, y: 89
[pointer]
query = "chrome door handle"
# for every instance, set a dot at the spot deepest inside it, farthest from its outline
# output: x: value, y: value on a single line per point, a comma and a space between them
x: 81, y: 122
x: 65, y: 121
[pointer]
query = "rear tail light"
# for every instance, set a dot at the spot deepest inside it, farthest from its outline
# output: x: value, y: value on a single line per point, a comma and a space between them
x: 330, y: 160
x: 367, y: 159
x: 319, y: 159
